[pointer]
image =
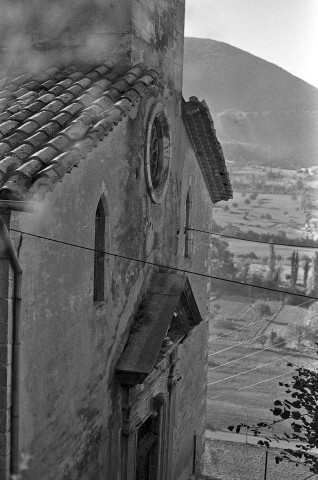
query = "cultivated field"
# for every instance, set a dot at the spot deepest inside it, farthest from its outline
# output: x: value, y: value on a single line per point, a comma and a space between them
x: 271, y: 201
x: 236, y: 331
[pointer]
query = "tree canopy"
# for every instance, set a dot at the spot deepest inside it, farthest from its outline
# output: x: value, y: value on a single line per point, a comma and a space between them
x: 300, y: 407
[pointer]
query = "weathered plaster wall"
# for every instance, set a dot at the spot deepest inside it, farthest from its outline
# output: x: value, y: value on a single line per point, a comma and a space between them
x: 5, y: 357
x: 69, y: 400
x: 34, y: 34
x: 191, y: 405
x: 70, y: 405
x: 201, y: 216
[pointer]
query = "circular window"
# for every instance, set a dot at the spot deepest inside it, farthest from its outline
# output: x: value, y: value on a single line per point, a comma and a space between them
x: 158, y: 154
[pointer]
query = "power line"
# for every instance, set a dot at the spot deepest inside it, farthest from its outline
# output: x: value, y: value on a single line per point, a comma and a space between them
x: 168, y: 267
x: 254, y: 384
x: 260, y: 366
x: 262, y: 350
x: 255, y: 323
x: 242, y: 343
x: 247, y: 240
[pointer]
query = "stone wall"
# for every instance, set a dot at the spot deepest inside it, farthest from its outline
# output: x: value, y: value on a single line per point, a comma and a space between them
x: 34, y: 35
x: 69, y: 398
x: 70, y: 401
x: 5, y: 357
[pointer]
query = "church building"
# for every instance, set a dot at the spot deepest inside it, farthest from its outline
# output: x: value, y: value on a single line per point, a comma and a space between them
x: 105, y: 172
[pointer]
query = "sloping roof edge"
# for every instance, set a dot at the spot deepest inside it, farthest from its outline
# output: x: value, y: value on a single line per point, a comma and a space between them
x: 199, y: 123
x: 151, y: 325
x: 50, y: 121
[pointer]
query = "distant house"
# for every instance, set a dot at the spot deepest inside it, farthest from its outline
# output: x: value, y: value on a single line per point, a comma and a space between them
x: 104, y: 168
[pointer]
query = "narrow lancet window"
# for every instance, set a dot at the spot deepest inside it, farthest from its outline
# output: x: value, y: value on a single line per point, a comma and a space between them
x: 188, y: 236
x: 99, y: 258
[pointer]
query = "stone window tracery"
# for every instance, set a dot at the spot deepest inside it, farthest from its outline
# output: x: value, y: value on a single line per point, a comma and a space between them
x: 158, y: 153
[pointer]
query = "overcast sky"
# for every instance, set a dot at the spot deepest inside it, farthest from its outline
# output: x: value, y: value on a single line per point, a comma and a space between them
x: 284, y: 32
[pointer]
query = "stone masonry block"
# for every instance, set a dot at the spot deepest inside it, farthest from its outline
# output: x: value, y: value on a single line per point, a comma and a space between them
x: 5, y: 420
x: 180, y: 18
x: 5, y: 398
x: 5, y: 375
x: 3, y: 310
x: 5, y: 443
x: 5, y: 354
x: 4, y: 464
x: 4, y: 269
x: 5, y: 474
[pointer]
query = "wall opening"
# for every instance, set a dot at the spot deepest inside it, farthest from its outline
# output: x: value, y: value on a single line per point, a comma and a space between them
x: 188, y: 223
x: 101, y: 244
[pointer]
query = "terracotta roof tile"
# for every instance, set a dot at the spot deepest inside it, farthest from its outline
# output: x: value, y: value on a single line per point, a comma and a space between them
x: 60, y: 142
x: 38, y: 139
x: 22, y: 152
x: 56, y: 111
x: 50, y: 129
x: 54, y: 106
x: 200, y: 126
x: 7, y: 127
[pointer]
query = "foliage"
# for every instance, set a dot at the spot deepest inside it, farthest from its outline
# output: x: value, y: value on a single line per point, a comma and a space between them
x: 300, y: 407
x: 294, y: 266
x: 243, y: 269
x: 263, y: 308
x: 279, y: 237
x: 262, y: 340
x: 313, y: 290
x: 306, y: 267
x: 222, y: 259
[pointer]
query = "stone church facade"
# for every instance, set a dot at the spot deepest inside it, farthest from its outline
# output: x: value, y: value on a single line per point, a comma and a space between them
x: 103, y: 169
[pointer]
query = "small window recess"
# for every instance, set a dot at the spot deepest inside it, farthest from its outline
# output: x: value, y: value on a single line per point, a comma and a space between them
x: 101, y: 244
x: 158, y: 153
x: 188, y: 223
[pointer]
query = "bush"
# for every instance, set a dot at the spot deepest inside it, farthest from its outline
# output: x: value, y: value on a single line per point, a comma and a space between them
x: 263, y: 309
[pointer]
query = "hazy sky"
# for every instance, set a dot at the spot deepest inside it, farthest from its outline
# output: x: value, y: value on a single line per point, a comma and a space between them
x: 284, y: 32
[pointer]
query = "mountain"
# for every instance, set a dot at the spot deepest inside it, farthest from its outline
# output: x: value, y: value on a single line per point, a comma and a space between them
x: 263, y: 115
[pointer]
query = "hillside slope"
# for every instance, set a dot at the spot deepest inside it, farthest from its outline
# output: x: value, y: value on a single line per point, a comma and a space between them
x: 263, y: 114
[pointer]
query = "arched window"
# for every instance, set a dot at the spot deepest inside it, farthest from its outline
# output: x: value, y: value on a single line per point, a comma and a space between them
x: 100, y: 245
x: 188, y: 236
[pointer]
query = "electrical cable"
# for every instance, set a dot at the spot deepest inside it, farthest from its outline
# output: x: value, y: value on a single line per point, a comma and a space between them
x: 262, y: 350
x: 261, y: 366
x: 257, y: 383
x: 168, y: 267
x: 249, y: 386
x: 247, y: 240
x: 245, y: 341
x: 255, y: 323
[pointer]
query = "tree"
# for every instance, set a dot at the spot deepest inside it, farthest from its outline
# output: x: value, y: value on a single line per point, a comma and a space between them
x: 222, y: 259
x: 262, y: 340
x: 313, y: 289
x: 306, y: 267
x: 294, y: 266
x: 243, y: 269
x: 301, y: 408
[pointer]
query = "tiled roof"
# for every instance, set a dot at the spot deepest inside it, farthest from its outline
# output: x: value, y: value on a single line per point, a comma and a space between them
x: 208, y: 149
x: 52, y: 120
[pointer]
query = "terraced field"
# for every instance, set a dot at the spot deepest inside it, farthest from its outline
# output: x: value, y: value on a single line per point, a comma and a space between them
x: 239, y: 320
x: 235, y: 396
